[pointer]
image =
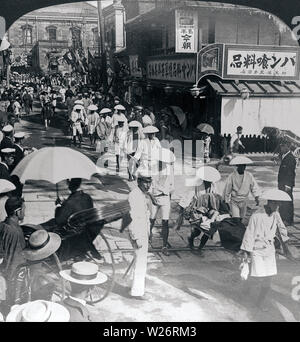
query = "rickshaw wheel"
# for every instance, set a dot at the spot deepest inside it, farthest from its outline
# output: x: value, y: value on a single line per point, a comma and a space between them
x: 99, y: 292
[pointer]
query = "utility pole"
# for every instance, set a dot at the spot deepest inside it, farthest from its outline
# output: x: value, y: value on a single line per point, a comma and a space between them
x: 101, y: 36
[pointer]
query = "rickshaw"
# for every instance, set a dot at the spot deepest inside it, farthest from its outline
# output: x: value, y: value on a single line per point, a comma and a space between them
x: 41, y: 278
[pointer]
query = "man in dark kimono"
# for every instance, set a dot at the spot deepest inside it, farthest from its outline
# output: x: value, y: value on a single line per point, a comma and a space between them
x: 12, y: 244
x: 7, y: 141
x: 286, y: 182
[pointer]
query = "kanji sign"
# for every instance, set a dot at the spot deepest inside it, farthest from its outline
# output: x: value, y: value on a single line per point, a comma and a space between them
x: 210, y: 61
x: 186, y: 31
x: 178, y: 69
x: 259, y: 62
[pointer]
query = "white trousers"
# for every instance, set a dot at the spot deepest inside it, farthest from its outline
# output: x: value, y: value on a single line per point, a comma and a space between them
x: 164, y: 204
x: 238, y: 209
x: 77, y: 127
x: 139, y: 270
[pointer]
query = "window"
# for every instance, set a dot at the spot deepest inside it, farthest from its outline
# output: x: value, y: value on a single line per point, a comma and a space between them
x: 27, y: 34
x: 52, y: 30
x: 76, y: 37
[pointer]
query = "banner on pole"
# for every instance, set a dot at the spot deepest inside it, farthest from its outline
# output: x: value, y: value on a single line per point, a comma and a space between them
x: 186, y: 31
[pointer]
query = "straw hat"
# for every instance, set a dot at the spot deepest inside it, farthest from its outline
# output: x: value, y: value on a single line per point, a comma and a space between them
x: 39, y: 311
x: 7, y: 129
x: 208, y: 174
x: 119, y: 107
x: 134, y: 123
x: 121, y: 119
x: 105, y: 111
x: 92, y: 107
x: 6, y: 186
x: 41, y: 245
x: 84, y: 273
x: 195, y: 181
x: 78, y: 107
x: 150, y: 129
x: 79, y: 102
x: 241, y: 160
x: 276, y: 195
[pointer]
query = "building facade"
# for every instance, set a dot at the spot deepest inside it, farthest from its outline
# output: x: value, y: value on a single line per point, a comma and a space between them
x: 46, y: 35
x: 240, y: 50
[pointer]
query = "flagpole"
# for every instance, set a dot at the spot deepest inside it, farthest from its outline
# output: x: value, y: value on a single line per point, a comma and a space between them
x: 102, y: 44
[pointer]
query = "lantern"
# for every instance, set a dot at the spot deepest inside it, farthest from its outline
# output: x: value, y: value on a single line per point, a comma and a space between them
x: 245, y: 93
x: 168, y: 89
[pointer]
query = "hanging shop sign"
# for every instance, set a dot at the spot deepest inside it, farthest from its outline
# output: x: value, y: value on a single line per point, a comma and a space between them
x: 186, y: 31
x: 135, y: 70
x: 174, y: 69
x: 210, y: 60
x: 261, y: 62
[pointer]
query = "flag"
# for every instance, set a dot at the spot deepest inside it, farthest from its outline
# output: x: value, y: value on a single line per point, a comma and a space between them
x: 70, y: 57
x: 4, y: 44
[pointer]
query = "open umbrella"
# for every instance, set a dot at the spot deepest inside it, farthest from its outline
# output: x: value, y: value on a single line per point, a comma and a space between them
x: 205, y: 128
x: 55, y: 164
x: 179, y: 114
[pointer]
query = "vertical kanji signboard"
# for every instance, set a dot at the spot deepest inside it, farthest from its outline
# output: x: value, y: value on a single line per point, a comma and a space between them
x: 186, y: 31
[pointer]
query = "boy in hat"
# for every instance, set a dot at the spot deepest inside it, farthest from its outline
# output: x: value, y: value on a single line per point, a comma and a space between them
x: 139, y: 230
x: 12, y: 245
x: 239, y: 185
x: 82, y: 277
x: 7, y: 141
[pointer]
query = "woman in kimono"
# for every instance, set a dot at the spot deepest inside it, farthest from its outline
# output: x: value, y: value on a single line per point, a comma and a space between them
x: 258, y: 242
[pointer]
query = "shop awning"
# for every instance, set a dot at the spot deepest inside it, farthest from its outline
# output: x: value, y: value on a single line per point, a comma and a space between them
x: 256, y: 88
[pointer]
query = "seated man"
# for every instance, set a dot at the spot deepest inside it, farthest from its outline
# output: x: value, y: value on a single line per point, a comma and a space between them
x: 76, y: 202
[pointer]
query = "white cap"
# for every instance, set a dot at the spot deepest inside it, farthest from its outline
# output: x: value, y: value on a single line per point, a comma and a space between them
x: 208, y: 174
x: 150, y: 129
x: 8, y: 150
x: 105, y: 110
x: 119, y: 107
x: 92, y: 107
x: 79, y: 102
x: 241, y: 160
x: 19, y: 135
x: 134, y: 123
x: 276, y: 195
x: 7, y: 129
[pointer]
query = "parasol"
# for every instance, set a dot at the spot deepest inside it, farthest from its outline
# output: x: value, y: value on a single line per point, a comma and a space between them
x: 206, y: 128
x: 55, y: 164
x: 179, y: 114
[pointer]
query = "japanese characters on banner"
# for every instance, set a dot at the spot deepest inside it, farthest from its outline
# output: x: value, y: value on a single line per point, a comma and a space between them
x: 177, y: 69
x: 242, y: 62
x: 186, y: 31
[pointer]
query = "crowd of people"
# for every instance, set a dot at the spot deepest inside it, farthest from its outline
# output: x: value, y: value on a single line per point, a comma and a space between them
x: 143, y: 140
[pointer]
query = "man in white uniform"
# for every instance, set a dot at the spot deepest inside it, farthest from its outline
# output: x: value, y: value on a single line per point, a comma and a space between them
x: 148, y: 149
x: 139, y: 230
x: 239, y: 185
x: 77, y: 118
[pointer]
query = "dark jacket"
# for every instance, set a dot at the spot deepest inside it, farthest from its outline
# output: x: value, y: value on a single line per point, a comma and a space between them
x: 78, y: 312
x: 19, y: 154
x: 76, y: 202
x: 6, y: 143
x: 287, y: 170
x: 4, y: 172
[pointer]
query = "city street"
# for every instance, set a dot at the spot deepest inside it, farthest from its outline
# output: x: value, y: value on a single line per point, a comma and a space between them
x: 183, y: 286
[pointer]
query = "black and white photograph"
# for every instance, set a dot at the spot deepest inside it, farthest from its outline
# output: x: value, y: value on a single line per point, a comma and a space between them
x: 149, y: 163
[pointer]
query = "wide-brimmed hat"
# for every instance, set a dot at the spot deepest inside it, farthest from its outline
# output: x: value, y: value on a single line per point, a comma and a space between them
x: 121, y: 119
x: 241, y: 160
x: 39, y: 311
x: 150, y: 129
x: 84, y: 273
x: 119, y: 107
x: 105, y: 111
x: 7, y: 129
x: 276, y: 195
x: 78, y: 107
x: 41, y: 245
x: 208, y: 174
x: 79, y: 102
x: 134, y: 123
x: 194, y: 181
x: 6, y: 186
x: 92, y: 107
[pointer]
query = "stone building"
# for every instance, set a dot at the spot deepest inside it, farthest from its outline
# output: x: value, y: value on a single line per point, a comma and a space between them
x: 46, y: 34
